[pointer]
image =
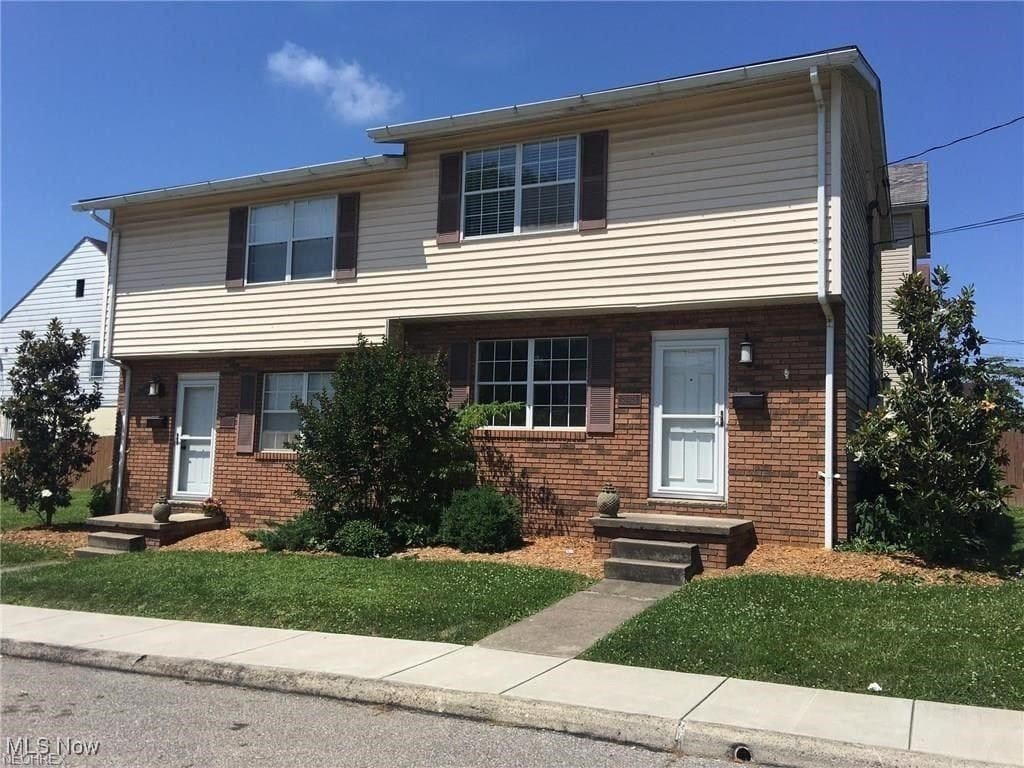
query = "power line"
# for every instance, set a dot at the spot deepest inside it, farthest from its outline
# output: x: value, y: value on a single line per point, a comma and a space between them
x: 957, y: 141
x: 1010, y: 218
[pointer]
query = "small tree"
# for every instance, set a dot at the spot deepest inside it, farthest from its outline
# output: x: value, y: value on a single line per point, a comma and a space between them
x: 934, y: 442
x: 381, y: 446
x: 49, y: 413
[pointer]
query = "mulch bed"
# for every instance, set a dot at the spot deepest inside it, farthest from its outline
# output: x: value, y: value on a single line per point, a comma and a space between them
x: 565, y: 553
x: 225, y: 540
x: 64, y: 540
x: 858, y: 566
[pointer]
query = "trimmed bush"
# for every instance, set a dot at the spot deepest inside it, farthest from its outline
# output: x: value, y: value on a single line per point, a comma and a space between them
x: 301, y: 534
x: 482, y: 519
x: 101, y: 500
x: 361, y: 538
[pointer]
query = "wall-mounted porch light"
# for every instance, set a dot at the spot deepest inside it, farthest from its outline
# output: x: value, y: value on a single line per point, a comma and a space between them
x: 884, y: 384
x: 154, y: 388
x: 746, y: 351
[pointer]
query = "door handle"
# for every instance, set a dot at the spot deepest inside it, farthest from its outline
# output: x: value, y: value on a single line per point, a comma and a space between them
x: 721, y: 417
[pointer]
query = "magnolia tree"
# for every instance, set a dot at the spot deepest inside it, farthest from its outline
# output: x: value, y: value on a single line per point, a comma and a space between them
x: 934, y: 443
x: 49, y: 413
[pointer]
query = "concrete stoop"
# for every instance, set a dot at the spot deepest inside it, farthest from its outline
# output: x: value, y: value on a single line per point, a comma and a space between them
x: 658, y: 562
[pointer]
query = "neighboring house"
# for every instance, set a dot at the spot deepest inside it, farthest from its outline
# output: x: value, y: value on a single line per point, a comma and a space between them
x: 73, y: 291
x: 678, y: 278
x: 910, y: 244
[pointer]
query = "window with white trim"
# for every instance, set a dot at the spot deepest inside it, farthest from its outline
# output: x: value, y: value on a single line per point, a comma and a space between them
x: 96, y: 364
x: 279, y: 423
x: 549, y: 375
x: 291, y: 241
x: 520, y: 187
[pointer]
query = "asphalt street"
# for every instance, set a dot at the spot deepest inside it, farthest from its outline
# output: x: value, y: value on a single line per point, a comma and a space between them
x: 138, y: 720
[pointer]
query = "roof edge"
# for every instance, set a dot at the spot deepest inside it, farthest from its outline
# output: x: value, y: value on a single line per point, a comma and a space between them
x: 93, y: 241
x: 338, y: 169
x: 624, y: 96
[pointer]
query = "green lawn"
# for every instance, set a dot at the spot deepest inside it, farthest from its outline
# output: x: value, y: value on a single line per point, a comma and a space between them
x: 18, y: 554
x: 12, y: 520
x: 952, y: 643
x: 456, y: 602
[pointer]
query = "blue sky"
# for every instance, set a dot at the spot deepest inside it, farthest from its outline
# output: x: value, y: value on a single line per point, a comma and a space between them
x: 100, y: 99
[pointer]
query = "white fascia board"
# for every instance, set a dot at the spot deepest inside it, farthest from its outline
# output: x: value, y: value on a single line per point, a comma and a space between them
x: 337, y: 169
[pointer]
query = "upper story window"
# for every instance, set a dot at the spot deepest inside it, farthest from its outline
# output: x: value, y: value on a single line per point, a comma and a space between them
x: 548, y: 375
x: 96, y: 364
x: 520, y: 187
x: 291, y: 241
x: 280, y: 422
x: 79, y: 288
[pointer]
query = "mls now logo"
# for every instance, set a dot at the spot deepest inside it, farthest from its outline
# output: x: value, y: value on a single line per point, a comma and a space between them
x: 45, y: 751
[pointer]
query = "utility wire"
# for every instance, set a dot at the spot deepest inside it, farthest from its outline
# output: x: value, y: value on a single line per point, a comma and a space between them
x: 1008, y: 219
x: 957, y: 141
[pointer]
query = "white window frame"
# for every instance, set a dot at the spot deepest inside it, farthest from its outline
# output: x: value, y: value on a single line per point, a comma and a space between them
x: 264, y: 410
x: 291, y: 239
x: 529, y: 384
x: 518, y: 209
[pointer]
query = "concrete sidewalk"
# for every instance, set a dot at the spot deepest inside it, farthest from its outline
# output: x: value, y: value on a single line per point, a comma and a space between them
x: 695, y: 714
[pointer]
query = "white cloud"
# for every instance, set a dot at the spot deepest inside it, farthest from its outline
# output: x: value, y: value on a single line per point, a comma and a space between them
x: 353, y: 95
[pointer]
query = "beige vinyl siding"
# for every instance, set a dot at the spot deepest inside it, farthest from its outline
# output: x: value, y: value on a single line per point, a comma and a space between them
x: 896, y: 264
x: 858, y: 191
x: 710, y: 200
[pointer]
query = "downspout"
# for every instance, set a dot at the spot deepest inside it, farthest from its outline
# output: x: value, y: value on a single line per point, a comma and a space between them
x: 829, y: 473
x: 113, y: 247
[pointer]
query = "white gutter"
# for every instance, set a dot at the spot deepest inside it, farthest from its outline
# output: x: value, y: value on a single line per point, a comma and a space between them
x: 107, y: 344
x: 829, y: 473
x: 617, y: 97
x: 338, y: 169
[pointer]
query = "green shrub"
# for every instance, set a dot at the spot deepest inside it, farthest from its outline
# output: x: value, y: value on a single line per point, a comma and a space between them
x: 482, y: 519
x: 101, y: 500
x: 304, y: 533
x: 361, y: 538
x: 934, y: 441
x: 406, y: 534
x: 380, y: 445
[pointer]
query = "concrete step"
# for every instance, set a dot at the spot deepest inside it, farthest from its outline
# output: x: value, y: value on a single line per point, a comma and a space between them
x: 126, y: 542
x: 647, y: 570
x: 660, y: 551
x: 83, y: 552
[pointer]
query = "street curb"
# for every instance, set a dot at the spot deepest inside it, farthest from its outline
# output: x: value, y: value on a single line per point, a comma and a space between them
x: 662, y: 734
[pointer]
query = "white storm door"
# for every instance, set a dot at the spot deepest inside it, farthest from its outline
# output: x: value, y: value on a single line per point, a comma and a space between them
x: 194, y: 436
x: 688, y: 418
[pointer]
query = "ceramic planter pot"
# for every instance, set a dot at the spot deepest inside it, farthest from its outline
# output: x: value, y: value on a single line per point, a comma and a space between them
x: 162, y: 511
x: 608, y: 502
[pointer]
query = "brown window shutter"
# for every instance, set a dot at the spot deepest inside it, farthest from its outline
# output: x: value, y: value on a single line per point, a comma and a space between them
x: 458, y: 374
x: 601, y: 385
x: 593, y: 180
x: 238, y: 234
x: 245, y: 426
x: 347, y: 240
x: 449, y: 198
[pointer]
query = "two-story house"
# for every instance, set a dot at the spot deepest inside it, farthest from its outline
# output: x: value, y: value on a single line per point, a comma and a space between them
x: 74, y: 292
x: 678, y: 278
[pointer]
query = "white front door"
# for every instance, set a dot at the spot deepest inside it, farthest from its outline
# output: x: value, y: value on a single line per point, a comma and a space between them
x: 195, y: 436
x: 688, y: 416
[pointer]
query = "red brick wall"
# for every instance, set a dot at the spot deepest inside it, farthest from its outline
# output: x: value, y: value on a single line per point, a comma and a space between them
x: 774, y: 455
x: 256, y: 488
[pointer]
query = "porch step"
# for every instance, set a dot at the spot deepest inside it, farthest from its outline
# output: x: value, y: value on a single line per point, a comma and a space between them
x: 83, y: 552
x: 125, y: 542
x: 679, y: 552
x: 653, y: 571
